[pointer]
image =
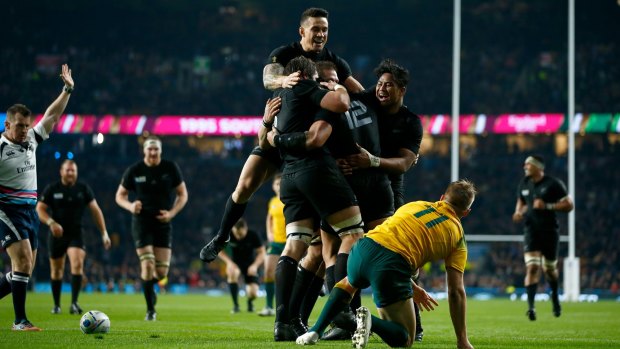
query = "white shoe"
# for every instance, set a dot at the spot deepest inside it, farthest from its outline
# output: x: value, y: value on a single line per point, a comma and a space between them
x: 362, y: 332
x: 308, y: 338
x: 267, y: 312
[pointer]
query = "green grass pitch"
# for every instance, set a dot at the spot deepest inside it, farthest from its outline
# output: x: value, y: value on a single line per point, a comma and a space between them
x: 200, y: 321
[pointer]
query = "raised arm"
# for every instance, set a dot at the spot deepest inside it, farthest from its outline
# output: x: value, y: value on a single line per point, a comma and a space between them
x: 337, y: 100
x: 95, y: 212
x: 55, y: 110
x: 353, y: 85
x: 272, y: 108
x: 396, y: 165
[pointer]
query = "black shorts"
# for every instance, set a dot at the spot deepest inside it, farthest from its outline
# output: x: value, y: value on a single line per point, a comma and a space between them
x: 547, y: 242
x: 374, y: 195
x: 58, y: 246
x: 150, y: 232
x: 316, y: 189
x: 272, y: 155
x: 247, y: 279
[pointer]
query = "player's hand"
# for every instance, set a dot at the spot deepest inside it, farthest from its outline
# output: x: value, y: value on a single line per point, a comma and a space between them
x: 291, y: 80
x: 423, y: 299
x: 538, y: 204
x: 107, y: 243
x: 272, y: 108
x: 344, y: 166
x: 517, y: 217
x: 252, y: 270
x: 65, y: 75
x: 360, y: 160
x: 164, y: 216
x: 136, y: 207
x: 56, y: 230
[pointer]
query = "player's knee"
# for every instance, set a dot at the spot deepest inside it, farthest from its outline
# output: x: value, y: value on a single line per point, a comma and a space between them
x: 350, y: 226
x: 398, y: 339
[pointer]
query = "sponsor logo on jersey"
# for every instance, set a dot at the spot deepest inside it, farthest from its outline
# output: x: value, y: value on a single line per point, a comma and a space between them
x: 58, y: 196
x: 140, y: 179
x: 525, y: 192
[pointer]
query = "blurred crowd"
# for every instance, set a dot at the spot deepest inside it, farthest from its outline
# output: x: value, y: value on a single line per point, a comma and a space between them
x: 206, y: 58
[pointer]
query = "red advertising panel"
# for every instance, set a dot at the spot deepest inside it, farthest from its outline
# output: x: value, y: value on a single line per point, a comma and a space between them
x: 528, y: 123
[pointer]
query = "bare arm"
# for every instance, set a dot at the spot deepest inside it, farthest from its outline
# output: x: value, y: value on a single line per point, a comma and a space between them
x: 180, y: 201
x: 520, y: 209
x: 458, y: 306
x: 314, y: 138
x: 396, y: 165
x: 563, y: 205
x: 272, y: 108
x: 353, y: 85
x: 95, y: 212
x: 47, y: 219
x: 269, y: 227
x: 258, y: 261
x: 273, y: 77
x: 55, y: 110
x: 337, y: 101
x: 122, y: 200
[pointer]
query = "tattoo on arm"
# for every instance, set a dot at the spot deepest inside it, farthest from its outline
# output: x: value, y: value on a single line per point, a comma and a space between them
x: 272, y: 76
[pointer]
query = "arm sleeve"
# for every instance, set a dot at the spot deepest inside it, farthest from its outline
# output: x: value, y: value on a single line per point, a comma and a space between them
x: 88, y: 194
x: 279, y: 55
x: 127, y: 180
x: 46, y: 196
x: 414, y: 134
x: 344, y: 70
x: 310, y: 89
x: 177, y: 176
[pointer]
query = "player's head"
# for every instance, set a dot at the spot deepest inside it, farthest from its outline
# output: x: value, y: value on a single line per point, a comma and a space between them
x: 152, y: 150
x: 460, y: 195
x: 391, y: 84
x: 17, y: 123
x: 240, y: 229
x: 534, y: 166
x: 68, y: 172
x: 303, y: 65
x: 327, y: 71
x: 313, y: 29
x: 275, y: 185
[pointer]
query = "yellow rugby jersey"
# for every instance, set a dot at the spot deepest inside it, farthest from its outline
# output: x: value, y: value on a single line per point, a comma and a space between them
x: 276, y: 211
x: 424, y: 231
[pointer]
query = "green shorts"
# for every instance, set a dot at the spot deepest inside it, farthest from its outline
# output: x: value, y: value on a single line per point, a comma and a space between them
x: 275, y: 248
x: 389, y: 274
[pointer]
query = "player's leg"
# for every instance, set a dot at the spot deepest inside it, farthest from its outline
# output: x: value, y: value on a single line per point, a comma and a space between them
x: 273, y: 254
x: 533, y: 262
x: 313, y: 262
x: 232, y: 279
x: 299, y: 234
x: 163, y: 253
x: 251, y: 290
x: 549, y: 265
x: 76, y: 261
x: 147, y: 272
x: 57, y: 250
x: 256, y: 170
x: 396, y: 325
x: 301, y: 286
x: 18, y: 233
x: 20, y: 253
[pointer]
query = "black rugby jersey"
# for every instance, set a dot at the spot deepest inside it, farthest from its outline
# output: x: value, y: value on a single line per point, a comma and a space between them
x: 550, y: 190
x: 68, y: 204
x: 285, y: 54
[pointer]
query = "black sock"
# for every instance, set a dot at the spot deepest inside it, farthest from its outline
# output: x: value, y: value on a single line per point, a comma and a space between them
x: 285, y: 278
x: 76, y: 286
x: 148, y: 289
x: 19, y: 285
x: 234, y: 293
x: 330, y: 280
x: 310, y: 299
x: 232, y: 212
x: 418, y: 320
x: 554, y: 289
x: 303, y: 279
x: 356, y: 302
x: 5, y: 285
x: 56, y: 289
x: 340, y: 269
x: 531, y: 294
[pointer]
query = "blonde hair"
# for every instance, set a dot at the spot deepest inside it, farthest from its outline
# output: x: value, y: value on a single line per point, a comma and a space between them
x: 461, y: 194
